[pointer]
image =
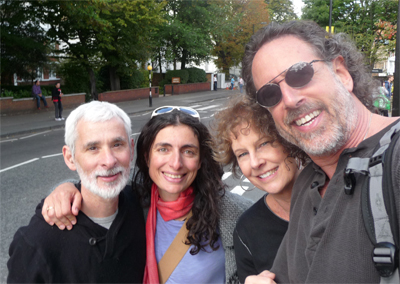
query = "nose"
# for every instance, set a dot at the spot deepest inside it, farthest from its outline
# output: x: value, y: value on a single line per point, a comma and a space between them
x: 108, y: 159
x: 175, y: 161
x: 291, y: 97
x: 255, y: 161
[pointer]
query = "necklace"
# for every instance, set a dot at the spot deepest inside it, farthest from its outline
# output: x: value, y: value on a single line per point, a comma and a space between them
x: 369, y: 124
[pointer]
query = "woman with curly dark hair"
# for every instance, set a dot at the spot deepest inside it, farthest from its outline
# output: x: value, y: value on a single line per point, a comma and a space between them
x: 176, y: 169
x: 180, y: 188
x: 246, y: 138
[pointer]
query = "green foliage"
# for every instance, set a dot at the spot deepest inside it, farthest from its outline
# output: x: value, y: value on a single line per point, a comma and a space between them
x: 24, y: 91
x: 183, y: 74
x: 281, y: 10
x: 75, y: 77
x: 357, y: 18
x: 24, y: 44
x: 134, y: 80
x: 196, y: 75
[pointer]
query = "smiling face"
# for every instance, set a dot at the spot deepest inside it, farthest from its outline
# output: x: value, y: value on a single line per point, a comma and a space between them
x: 318, y: 117
x: 102, y: 156
x: 174, y: 160
x: 265, y: 164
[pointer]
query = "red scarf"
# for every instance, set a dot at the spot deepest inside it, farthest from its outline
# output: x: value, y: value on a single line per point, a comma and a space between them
x: 168, y: 211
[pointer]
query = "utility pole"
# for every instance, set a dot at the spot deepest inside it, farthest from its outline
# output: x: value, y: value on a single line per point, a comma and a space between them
x: 396, y: 82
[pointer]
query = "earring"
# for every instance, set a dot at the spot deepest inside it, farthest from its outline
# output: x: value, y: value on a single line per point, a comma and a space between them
x: 240, y: 183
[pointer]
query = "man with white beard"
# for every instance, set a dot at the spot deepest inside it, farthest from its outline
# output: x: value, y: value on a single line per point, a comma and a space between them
x: 320, y: 95
x: 108, y: 243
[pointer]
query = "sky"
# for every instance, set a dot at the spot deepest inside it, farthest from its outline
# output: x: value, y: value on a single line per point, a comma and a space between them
x: 297, y: 4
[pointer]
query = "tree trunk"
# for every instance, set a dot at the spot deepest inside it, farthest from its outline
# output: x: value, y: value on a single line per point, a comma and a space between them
x: 92, y: 78
x: 184, y: 59
x: 115, y: 82
x: 160, y: 61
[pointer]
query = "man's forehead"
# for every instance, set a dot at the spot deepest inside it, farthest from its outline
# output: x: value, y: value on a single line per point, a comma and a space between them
x: 96, y: 131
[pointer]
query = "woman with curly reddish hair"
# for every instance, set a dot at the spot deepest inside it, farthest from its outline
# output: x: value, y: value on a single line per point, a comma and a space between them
x: 246, y: 138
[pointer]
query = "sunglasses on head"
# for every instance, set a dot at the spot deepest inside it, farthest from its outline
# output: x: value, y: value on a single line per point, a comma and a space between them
x: 297, y: 76
x: 167, y: 109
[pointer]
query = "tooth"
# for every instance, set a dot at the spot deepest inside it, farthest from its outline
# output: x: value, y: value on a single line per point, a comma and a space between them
x: 308, y: 118
x: 303, y: 120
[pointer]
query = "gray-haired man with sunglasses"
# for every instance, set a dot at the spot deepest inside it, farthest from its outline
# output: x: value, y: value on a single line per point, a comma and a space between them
x: 319, y: 93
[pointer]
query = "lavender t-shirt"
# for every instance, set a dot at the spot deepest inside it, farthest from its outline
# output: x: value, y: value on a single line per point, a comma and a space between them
x: 204, y: 267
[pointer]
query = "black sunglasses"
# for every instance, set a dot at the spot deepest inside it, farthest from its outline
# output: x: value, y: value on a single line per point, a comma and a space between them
x: 297, y: 76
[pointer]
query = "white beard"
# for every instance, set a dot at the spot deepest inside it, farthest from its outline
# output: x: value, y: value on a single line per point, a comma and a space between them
x: 108, y: 191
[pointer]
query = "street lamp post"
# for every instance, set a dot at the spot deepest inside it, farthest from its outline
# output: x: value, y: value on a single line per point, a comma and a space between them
x: 150, y: 98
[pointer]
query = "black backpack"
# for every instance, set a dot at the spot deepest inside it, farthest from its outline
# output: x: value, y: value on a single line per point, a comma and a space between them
x: 378, y: 203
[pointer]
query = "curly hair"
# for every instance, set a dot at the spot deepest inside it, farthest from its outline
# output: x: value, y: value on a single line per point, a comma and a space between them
x: 208, y: 187
x: 242, y: 109
x: 326, y: 46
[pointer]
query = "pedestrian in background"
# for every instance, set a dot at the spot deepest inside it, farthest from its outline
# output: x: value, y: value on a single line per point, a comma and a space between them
x: 37, y: 93
x: 241, y: 83
x: 56, y: 97
x: 232, y: 83
x: 215, y: 82
x: 389, y: 86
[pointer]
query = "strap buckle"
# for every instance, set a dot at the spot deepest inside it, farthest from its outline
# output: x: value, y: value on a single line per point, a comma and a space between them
x: 385, y: 258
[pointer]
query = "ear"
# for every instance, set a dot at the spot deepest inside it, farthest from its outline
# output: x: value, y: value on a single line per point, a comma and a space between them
x: 340, y: 69
x: 68, y: 159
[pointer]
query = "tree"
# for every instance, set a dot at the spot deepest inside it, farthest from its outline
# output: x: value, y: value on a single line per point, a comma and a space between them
x: 131, y: 24
x: 24, y: 45
x: 186, y: 34
x: 242, y: 19
x: 357, y: 18
x: 78, y: 26
x: 281, y: 10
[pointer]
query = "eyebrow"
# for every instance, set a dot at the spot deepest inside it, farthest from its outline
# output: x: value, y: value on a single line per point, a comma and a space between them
x: 94, y: 143
x: 165, y: 144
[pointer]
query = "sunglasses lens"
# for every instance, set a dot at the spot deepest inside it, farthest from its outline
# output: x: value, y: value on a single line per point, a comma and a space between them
x: 269, y: 95
x: 299, y: 75
x: 164, y: 110
x: 189, y: 111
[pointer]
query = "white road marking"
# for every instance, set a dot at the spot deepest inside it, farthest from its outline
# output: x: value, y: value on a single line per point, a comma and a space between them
x: 226, y: 175
x: 10, y: 140
x: 34, y: 134
x: 15, y: 166
x: 238, y: 190
x: 134, y: 134
x: 195, y: 106
x: 49, y: 156
x: 146, y: 113
x: 207, y: 107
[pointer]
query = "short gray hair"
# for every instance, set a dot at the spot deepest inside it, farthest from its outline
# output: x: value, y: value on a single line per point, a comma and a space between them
x: 94, y: 111
x: 326, y: 46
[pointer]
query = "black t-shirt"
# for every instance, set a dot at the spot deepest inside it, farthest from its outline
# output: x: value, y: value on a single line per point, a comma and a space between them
x: 257, y: 237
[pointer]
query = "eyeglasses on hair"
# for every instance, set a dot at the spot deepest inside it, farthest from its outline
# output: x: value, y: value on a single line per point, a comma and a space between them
x: 297, y: 76
x: 167, y: 109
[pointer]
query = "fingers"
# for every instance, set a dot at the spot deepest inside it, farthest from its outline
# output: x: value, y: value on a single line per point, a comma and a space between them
x: 265, y: 277
x: 57, y: 206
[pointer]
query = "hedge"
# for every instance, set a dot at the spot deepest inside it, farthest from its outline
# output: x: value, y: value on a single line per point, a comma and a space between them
x: 196, y: 75
x: 183, y: 74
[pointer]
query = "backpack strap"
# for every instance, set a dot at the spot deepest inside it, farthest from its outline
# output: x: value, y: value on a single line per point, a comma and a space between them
x: 378, y: 204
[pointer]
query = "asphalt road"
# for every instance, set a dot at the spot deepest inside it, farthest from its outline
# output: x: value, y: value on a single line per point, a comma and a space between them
x: 31, y: 166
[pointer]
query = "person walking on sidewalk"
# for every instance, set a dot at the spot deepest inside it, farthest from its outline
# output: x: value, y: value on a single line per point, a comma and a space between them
x: 241, y: 83
x: 56, y: 97
x: 37, y: 93
x: 215, y: 82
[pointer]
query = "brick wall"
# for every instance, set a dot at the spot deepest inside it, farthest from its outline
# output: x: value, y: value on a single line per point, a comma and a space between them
x: 187, y: 88
x: 128, y: 95
x: 9, y: 106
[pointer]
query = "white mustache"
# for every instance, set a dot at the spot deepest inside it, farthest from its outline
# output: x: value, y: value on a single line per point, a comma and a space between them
x: 109, y: 172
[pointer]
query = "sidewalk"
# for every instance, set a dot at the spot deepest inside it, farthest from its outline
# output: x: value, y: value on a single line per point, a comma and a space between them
x: 44, y: 119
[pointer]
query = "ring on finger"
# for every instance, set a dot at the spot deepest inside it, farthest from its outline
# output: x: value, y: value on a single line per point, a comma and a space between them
x: 49, y: 208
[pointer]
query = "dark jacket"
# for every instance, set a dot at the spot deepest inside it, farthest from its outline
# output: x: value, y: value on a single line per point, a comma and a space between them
x: 55, y: 94
x: 88, y: 253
